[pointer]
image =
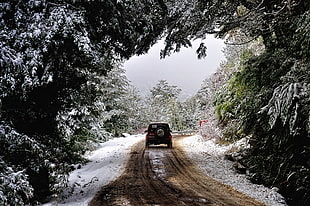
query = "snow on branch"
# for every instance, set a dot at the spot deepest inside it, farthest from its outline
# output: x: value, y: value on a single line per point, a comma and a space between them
x: 285, y: 105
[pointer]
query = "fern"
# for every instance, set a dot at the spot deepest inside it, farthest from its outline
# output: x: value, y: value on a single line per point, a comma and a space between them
x: 285, y: 105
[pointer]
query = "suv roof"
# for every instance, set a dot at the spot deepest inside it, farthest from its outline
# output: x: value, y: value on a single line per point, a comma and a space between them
x: 159, y: 123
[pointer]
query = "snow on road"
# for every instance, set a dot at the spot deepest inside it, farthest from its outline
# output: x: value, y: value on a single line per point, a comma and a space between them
x: 209, y: 156
x: 106, y: 164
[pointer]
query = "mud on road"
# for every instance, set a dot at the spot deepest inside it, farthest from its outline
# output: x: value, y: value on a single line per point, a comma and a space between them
x: 162, y: 176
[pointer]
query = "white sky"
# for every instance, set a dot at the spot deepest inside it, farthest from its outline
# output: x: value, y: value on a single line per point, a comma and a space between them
x: 182, y: 69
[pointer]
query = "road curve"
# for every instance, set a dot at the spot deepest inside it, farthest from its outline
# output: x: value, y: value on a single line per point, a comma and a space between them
x: 162, y: 176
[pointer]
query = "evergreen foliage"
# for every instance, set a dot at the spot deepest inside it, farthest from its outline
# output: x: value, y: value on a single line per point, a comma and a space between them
x: 61, y: 87
x: 266, y: 94
x: 162, y: 101
x: 163, y: 105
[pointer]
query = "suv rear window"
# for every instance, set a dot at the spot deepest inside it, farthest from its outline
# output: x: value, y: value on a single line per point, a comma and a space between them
x: 154, y: 126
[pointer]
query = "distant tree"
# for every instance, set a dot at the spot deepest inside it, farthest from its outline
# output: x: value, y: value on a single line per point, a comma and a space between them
x: 137, y: 110
x: 163, y: 102
x: 191, y: 113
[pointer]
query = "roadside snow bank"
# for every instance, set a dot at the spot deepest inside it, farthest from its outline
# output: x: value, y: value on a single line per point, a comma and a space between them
x: 209, y: 156
x: 107, y: 163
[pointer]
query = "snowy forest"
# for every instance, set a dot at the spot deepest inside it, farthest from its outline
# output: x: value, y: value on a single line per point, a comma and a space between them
x: 63, y: 88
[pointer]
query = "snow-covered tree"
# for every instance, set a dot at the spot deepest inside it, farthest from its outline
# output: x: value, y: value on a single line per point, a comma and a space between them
x: 56, y: 57
x: 14, y: 186
x: 268, y: 83
x: 59, y: 80
x: 137, y: 109
x: 163, y: 102
x: 191, y: 113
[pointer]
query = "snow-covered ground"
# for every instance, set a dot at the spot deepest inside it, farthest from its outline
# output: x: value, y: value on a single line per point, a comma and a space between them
x: 209, y: 156
x: 107, y: 163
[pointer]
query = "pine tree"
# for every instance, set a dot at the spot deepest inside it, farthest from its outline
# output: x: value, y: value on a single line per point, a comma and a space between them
x: 163, y: 103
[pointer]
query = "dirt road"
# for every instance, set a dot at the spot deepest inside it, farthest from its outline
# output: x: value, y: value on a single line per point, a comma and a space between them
x: 162, y: 176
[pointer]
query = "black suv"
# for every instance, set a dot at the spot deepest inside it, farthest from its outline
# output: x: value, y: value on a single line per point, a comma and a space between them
x: 158, y: 133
